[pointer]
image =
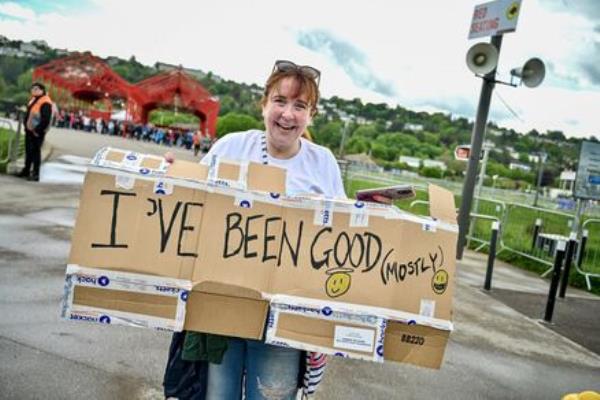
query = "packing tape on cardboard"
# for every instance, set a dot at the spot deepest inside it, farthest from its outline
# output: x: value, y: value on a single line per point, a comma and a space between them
x: 359, y: 215
x: 114, y: 317
x: 132, y: 160
x: 244, y: 200
x: 213, y: 175
x: 356, y: 335
x: 163, y: 187
x: 213, y: 168
x: 124, y: 182
x: 130, y: 166
x: 100, y: 156
x: 349, y: 308
x: 124, y: 281
x: 324, y: 213
x: 242, y: 182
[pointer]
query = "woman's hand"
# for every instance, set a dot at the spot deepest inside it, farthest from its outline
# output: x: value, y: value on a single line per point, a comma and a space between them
x: 169, y: 157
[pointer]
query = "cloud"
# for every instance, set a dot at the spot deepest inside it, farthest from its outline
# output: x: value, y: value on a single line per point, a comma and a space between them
x: 348, y: 57
x: 16, y: 11
x: 587, y: 8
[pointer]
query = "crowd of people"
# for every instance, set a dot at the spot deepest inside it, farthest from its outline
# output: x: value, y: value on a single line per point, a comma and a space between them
x: 168, y: 136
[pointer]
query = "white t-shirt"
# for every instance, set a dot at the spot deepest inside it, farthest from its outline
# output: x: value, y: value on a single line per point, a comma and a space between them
x: 313, y: 170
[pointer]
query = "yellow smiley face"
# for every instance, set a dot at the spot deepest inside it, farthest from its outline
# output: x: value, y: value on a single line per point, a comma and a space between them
x: 439, y: 282
x: 337, y: 283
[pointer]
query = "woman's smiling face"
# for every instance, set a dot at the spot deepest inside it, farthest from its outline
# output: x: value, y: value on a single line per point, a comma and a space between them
x: 286, y: 114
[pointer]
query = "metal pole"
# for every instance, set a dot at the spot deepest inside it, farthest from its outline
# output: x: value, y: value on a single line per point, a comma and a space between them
x: 558, y: 260
x: 581, y: 252
x: 578, y: 214
x: 343, y: 141
x: 536, y: 232
x: 478, y: 190
x: 491, y: 256
x: 539, y: 180
x: 14, y: 150
x: 483, y: 110
x: 568, y: 261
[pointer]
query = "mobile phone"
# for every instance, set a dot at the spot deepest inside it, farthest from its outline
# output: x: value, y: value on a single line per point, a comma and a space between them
x: 395, y: 192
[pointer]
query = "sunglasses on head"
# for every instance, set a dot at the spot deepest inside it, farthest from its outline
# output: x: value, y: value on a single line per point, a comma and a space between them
x: 305, y: 70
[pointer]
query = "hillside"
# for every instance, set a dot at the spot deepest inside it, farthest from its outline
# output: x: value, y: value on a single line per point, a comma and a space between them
x: 385, y: 133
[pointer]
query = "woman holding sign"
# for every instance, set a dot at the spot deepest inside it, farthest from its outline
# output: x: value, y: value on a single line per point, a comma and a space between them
x: 288, y: 105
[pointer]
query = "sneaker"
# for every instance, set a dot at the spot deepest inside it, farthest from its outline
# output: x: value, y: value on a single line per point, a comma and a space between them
x: 33, y: 178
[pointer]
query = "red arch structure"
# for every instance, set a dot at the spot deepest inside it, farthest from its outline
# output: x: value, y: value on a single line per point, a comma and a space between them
x: 178, y: 89
x: 88, y: 78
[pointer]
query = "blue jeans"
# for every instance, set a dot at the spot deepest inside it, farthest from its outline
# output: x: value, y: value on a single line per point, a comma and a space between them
x: 271, y: 372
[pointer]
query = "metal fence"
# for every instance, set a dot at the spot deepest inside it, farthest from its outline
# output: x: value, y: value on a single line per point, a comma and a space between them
x: 7, y: 149
x: 588, y: 254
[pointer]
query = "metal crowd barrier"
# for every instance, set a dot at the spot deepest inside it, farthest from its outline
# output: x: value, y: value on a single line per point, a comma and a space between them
x: 588, y: 253
x: 531, y: 232
x: 8, y: 124
x: 520, y: 228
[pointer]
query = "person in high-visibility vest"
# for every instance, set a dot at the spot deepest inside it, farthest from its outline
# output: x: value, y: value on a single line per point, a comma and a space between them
x: 37, y: 122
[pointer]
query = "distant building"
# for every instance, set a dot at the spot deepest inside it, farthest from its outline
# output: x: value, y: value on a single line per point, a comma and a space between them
x: 533, y: 158
x: 196, y: 73
x: 412, y: 162
x: 9, y: 51
x: 522, y: 167
x: 567, y: 180
x: 435, y: 164
x: 413, y: 127
x: 112, y: 61
x: 31, y: 49
x: 39, y: 43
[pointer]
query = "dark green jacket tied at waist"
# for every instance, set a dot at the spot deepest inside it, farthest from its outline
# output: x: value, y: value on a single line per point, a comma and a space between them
x: 204, y: 347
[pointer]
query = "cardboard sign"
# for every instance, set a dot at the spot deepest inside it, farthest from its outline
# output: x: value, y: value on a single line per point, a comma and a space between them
x: 240, y: 244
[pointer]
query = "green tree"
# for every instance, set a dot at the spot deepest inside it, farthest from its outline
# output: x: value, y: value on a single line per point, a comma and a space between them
x: 357, y: 144
x: 330, y: 135
x: 234, y: 122
x: 431, y: 172
x: 2, y: 87
x: 366, y: 131
x: 24, y: 81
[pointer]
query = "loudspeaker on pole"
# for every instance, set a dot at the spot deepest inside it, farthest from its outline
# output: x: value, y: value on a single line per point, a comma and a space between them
x: 482, y: 58
x: 532, y: 73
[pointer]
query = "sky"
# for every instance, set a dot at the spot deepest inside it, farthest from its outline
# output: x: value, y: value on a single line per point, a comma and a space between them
x: 398, y: 52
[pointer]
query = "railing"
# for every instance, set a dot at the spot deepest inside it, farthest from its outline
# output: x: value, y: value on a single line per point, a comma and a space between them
x: 8, y: 124
x: 520, y: 234
x: 588, y: 254
x: 519, y: 227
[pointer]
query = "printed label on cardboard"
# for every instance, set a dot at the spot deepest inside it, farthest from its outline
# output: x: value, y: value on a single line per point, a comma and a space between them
x: 350, y: 338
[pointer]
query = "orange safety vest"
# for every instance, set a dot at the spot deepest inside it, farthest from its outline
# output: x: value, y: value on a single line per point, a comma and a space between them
x: 34, y: 111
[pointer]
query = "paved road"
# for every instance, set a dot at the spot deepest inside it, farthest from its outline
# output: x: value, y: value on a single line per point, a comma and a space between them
x: 494, y: 353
